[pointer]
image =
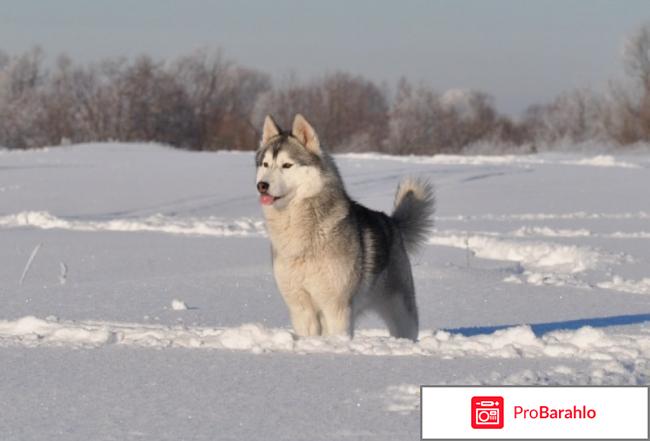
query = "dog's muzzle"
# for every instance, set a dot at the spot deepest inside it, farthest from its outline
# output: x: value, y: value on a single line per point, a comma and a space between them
x: 263, y: 187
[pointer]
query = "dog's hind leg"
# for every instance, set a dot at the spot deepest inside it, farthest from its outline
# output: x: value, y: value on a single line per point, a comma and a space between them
x: 401, y: 316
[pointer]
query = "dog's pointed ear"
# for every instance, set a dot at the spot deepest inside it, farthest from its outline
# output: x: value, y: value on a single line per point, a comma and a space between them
x: 305, y: 133
x: 270, y: 129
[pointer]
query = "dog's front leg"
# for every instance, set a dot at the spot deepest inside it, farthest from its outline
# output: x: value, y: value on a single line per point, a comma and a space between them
x: 337, y: 318
x: 303, y: 314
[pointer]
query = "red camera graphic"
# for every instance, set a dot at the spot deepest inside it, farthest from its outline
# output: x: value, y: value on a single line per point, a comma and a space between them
x: 487, y: 412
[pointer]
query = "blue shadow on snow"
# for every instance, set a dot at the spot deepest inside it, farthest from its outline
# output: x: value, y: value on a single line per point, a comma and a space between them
x: 543, y: 328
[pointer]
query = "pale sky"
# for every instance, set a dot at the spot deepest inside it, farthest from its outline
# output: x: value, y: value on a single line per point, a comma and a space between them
x: 521, y: 52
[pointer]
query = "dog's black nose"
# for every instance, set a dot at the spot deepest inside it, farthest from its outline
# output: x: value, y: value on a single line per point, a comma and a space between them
x: 262, y: 187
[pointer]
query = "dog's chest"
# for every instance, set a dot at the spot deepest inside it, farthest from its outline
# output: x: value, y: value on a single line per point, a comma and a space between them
x: 297, y: 235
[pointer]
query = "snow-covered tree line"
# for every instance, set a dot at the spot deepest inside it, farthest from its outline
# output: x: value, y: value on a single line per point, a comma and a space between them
x: 203, y: 101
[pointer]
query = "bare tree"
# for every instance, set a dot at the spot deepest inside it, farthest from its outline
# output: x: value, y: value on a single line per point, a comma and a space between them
x: 21, y: 80
x: 236, y: 128
x: 636, y: 60
x: 636, y: 56
x: 60, y: 118
x: 351, y: 113
x: 352, y: 107
x: 204, y: 76
x: 424, y: 122
x: 574, y: 117
x: 627, y: 115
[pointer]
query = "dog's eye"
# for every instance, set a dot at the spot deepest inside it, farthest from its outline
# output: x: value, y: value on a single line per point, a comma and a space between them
x: 287, y: 165
x: 265, y: 164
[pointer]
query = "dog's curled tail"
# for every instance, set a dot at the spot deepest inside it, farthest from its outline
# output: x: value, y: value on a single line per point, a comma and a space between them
x: 414, y: 207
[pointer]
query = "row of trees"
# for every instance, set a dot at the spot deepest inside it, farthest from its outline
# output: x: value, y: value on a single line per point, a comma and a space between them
x: 201, y: 101
x: 204, y: 101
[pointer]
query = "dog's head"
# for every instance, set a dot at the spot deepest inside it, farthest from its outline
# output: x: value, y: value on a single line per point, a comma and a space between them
x: 289, y: 164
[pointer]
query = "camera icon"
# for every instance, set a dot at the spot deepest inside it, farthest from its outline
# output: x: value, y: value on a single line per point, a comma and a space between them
x: 487, y: 412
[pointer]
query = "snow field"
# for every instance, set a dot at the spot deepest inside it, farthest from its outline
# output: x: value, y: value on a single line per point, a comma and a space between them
x: 136, y: 288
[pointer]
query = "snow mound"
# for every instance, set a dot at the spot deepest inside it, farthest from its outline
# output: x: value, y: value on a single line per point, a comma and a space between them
x: 550, y: 232
x: 515, y: 342
x: 545, y: 255
x: 603, y: 161
x: 545, y: 231
x: 403, y: 398
x: 579, y: 215
x: 158, y: 223
x: 478, y: 160
x: 179, y: 305
x: 253, y: 227
x: 31, y: 331
x: 635, y: 287
x: 629, y: 235
x: 529, y: 231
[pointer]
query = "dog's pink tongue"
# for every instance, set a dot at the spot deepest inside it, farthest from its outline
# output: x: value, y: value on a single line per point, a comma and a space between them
x: 266, y: 199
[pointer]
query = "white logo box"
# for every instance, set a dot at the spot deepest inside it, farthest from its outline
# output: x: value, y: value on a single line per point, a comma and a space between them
x: 621, y: 412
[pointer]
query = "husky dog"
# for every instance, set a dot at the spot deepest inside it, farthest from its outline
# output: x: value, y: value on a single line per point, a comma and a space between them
x: 332, y: 257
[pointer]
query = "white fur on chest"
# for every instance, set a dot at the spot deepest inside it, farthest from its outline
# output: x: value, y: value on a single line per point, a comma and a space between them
x: 313, y: 254
x: 298, y: 232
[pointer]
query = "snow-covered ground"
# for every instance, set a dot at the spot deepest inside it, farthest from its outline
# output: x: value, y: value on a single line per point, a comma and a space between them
x: 138, y: 301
